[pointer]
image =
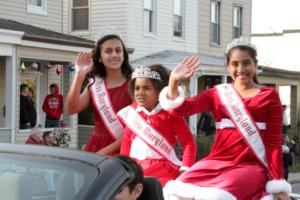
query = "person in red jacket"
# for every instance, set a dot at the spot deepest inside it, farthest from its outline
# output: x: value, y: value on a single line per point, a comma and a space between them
x: 53, y: 107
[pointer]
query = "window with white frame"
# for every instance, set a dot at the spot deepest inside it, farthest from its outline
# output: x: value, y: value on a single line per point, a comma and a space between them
x: 149, y: 16
x: 178, y: 18
x: 80, y: 15
x: 237, y: 22
x: 215, y: 22
x: 37, y: 6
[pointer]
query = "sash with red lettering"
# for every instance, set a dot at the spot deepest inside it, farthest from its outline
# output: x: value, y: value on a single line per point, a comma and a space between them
x: 242, y: 120
x: 137, y: 124
x: 104, y: 107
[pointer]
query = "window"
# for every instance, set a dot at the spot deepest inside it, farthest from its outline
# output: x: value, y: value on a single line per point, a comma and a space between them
x: 177, y: 23
x: 149, y: 16
x: 80, y: 15
x: 237, y: 22
x: 37, y: 7
x: 215, y: 22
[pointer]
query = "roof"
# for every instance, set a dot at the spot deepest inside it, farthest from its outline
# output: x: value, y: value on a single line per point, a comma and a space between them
x: 274, y: 34
x: 275, y: 72
x: 170, y: 58
x: 37, y: 34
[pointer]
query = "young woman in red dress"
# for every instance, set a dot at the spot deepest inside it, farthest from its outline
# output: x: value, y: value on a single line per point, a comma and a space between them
x: 245, y: 162
x: 150, y: 132
x: 108, y: 70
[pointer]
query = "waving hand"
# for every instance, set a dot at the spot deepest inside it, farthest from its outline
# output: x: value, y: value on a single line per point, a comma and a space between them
x: 185, y: 69
x: 83, y: 63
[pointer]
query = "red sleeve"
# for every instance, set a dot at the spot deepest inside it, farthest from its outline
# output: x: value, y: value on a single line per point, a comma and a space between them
x: 199, y: 103
x: 273, y: 137
x: 126, y: 143
x: 186, y: 139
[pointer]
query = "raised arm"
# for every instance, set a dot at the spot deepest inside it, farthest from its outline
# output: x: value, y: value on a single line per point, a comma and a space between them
x: 75, y: 101
x: 184, y: 70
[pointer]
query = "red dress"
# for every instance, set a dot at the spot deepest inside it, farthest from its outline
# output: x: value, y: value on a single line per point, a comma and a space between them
x: 100, y: 137
x: 231, y: 167
x: 172, y: 128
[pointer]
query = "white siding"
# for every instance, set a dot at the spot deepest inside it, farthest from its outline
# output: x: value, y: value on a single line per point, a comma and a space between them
x: 104, y: 15
x: 226, y: 20
x: 2, y: 91
x: 17, y: 10
x: 163, y: 39
x: 107, y: 14
x: 66, y: 16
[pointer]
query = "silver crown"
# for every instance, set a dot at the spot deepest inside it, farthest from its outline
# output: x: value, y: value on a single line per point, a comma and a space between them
x: 240, y: 42
x: 145, y: 72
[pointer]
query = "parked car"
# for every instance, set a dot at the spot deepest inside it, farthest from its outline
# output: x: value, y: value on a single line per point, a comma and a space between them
x: 48, y: 173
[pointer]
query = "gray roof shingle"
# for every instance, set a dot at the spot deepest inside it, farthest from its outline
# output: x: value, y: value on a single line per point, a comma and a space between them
x: 34, y: 33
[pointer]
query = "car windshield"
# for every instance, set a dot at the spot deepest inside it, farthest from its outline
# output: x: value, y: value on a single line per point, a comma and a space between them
x: 43, y: 178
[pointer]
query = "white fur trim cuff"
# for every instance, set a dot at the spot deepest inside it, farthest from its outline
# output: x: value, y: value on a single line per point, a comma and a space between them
x: 268, y: 197
x: 276, y: 186
x: 183, y: 168
x: 179, y: 190
x: 169, y: 104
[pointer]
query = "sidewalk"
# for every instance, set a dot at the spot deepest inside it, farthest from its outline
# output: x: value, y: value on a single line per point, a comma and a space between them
x: 294, y: 177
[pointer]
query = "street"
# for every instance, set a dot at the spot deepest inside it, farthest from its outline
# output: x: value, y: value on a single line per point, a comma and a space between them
x: 294, y: 179
x: 296, y: 188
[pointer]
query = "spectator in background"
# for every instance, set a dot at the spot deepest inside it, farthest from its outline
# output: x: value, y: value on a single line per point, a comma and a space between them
x: 31, y: 108
x: 53, y: 107
x: 285, y: 121
x: 38, y: 137
x: 24, y: 107
x: 206, y: 124
x: 287, y: 156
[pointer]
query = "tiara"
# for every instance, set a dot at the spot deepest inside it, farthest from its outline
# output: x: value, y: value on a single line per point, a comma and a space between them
x: 145, y: 72
x: 240, y: 42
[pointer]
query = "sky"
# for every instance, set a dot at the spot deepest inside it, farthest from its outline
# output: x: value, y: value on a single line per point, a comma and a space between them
x: 273, y: 16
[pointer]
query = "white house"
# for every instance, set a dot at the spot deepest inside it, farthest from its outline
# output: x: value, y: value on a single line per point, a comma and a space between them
x: 21, y: 45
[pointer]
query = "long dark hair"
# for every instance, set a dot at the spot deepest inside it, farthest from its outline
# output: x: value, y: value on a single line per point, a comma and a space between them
x: 99, y: 68
x: 251, y: 52
x: 157, y: 84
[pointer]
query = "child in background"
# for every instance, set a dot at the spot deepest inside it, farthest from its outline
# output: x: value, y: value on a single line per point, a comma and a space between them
x: 151, y: 132
x: 134, y: 189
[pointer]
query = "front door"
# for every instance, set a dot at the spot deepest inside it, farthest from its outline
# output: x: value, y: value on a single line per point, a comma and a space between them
x: 33, y: 82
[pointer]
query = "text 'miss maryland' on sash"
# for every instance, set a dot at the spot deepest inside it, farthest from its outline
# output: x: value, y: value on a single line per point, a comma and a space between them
x: 105, y: 108
x: 137, y: 124
x: 242, y: 120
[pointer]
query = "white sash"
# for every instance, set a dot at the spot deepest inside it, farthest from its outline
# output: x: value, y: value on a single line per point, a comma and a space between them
x: 136, y: 123
x: 242, y: 120
x: 104, y: 107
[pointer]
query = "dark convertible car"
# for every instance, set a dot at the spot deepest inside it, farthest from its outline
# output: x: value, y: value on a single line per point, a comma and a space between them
x: 32, y: 172
x: 44, y: 173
